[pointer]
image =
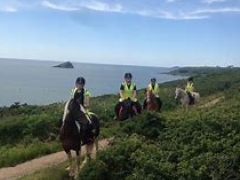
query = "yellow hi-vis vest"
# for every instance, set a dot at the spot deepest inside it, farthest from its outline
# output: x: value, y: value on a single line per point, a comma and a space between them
x: 189, y: 87
x: 86, y: 92
x: 127, y: 92
x: 155, y: 90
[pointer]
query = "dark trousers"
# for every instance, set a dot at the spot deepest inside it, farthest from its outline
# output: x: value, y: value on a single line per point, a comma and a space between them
x: 191, y: 98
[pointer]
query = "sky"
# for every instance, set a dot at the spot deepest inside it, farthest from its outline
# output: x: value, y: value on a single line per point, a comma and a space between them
x: 130, y: 32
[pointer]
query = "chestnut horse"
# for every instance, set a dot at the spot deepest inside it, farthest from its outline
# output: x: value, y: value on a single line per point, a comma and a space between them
x: 71, y: 134
x: 152, y: 102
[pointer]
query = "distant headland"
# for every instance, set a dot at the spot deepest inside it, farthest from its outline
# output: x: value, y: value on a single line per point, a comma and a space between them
x: 66, y: 64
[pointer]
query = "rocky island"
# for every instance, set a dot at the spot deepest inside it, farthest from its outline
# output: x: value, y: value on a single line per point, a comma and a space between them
x: 67, y: 64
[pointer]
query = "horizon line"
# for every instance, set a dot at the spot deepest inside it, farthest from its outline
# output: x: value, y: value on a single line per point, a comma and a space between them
x: 94, y: 63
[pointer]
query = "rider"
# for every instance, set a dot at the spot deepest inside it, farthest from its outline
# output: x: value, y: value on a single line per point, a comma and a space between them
x: 154, y: 87
x: 82, y: 97
x: 127, y: 90
x: 189, y: 90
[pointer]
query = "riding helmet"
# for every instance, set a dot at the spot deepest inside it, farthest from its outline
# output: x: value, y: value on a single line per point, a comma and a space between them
x: 153, y: 80
x: 190, y: 79
x: 80, y: 80
x: 128, y: 75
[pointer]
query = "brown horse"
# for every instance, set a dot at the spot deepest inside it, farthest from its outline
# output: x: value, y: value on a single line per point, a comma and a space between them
x: 71, y: 134
x: 152, y: 101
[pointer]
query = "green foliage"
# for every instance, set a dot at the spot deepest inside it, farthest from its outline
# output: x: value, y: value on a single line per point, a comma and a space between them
x: 12, y: 155
x: 27, y: 132
x: 148, y: 125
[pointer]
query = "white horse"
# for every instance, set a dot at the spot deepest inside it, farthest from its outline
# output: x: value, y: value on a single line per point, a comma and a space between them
x: 184, y: 98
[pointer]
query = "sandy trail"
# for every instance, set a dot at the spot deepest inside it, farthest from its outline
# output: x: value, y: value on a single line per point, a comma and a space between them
x: 31, y: 166
x: 212, y: 103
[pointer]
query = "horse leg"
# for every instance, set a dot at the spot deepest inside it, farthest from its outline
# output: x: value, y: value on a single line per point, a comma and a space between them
x: 89, y: 148
x: 96, y: 144
x: 78, y: 159
x: 71, y: 173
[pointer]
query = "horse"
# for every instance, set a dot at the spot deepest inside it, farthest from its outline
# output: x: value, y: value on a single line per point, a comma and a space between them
x: 152, y: 103
x: 184, y: 98
x: 71, y: 134
x: 127, y: 110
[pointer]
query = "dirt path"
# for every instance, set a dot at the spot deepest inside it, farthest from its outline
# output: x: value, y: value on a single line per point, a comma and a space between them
x: 30, y: 167
x: 212, y: 103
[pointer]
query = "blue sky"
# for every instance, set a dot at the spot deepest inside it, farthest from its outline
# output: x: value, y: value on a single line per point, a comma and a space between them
x: 136, y: 32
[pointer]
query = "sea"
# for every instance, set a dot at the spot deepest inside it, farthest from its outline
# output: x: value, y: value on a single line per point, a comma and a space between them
x: 36, y: 82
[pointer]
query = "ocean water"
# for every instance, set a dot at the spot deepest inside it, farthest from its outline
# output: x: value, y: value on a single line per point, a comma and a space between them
x: 37, y: 82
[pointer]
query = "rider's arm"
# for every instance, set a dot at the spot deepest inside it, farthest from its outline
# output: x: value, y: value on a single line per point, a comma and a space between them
x: 73, y: 92
x: 87, y: 99
x: 192, y: 88
x: 134, y: 92
x: 121, y: 91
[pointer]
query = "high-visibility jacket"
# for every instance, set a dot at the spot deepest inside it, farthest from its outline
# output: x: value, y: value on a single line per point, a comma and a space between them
x: 127, y: 91
x: 189, y: 87
x: 80, y: 95
x: 155, y: 89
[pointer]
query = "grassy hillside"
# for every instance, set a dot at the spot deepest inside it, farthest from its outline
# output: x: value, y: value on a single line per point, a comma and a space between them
x: 201, y: 144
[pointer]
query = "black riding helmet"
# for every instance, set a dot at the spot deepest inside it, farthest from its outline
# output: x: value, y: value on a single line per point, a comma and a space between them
x: 80, y: 80
x: 190, y: 79
x: 153, y: 80
x: 128, y: 75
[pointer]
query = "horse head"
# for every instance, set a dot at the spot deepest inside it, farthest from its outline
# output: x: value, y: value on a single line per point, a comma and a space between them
x: 179, y: 93
x: 74, y: 110
x: 127, y: 109
x: 149, y: 95
x: 152, y: 103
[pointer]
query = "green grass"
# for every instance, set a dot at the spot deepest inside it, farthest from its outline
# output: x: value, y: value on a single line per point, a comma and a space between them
x: 13, y: 155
